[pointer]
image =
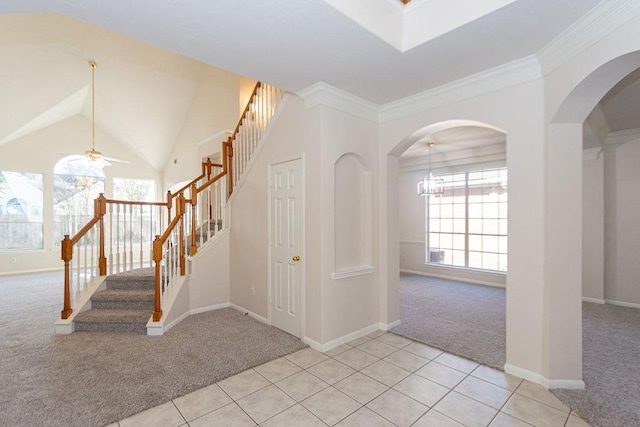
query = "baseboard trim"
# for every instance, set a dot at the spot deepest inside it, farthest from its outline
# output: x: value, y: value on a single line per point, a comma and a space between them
x: 622, y: 303
x: 543, y: 381
x: 389, y: 326
x: 454, y: 278
x: 210, y: 308
x: 565, y: 384
x: 349, y: 337
x: 41, y: 270
x: 313, y: 344
x: 593, y: 300
x: 250, y: 313
x: 523, y: 373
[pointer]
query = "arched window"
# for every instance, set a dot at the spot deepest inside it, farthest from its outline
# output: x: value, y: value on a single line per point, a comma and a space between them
x: 76, y: 183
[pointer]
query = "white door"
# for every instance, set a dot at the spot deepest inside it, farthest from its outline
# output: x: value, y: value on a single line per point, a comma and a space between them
x: 285, y: 199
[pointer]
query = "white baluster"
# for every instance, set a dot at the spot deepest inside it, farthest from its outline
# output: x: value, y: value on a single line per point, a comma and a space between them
x: 118, y: 270
x: 141, y: 217
x: 130, y: 237
x: 111, y: 238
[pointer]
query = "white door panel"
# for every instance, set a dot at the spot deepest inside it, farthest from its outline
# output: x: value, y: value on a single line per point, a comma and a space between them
x: 286, y: 245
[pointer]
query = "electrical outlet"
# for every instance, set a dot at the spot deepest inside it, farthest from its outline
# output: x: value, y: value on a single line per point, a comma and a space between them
x: 253, y: 290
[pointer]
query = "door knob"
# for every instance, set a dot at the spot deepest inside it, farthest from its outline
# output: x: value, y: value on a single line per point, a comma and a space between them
x: 296, y: 258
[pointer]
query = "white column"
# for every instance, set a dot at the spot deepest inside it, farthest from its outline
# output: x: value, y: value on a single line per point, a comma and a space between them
x: 562, y: 343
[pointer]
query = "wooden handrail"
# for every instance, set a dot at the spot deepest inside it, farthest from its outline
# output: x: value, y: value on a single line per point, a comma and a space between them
x: 193, y: 181
x: 135, y: 203
x: 246, y: 108
x: 210, y: 182
x: 206, y: 171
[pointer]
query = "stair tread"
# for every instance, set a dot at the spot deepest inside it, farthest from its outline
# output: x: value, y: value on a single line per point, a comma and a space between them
x: 146, y: 273
x: 113, y: 316
x: 124, y: 295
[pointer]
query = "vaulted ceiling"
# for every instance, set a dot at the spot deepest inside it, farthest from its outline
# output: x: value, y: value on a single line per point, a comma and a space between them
x: 294, y: 44
x: 291, y: 44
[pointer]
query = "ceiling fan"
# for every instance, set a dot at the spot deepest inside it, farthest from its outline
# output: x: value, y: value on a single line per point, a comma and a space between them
x: 93, y: 156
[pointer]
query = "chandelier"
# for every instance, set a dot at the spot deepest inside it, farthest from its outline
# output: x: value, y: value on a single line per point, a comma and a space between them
x: 430, y: 184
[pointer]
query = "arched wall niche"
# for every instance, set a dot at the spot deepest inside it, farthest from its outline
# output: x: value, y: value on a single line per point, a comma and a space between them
x: 353, y: 221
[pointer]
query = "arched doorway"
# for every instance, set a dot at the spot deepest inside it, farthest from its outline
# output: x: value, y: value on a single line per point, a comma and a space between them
x: 591, y: 117
x: 453, y: 246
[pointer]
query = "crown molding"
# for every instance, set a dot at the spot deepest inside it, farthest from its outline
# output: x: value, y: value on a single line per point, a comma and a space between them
x: 623, y: 136
x: 323, y: 94
x: 591, y: 153
x: 596, y: 24
x: 513, y: 73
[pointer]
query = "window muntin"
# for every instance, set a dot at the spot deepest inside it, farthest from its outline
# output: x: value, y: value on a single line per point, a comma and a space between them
x: 467, y: 224
x: 21, y: 206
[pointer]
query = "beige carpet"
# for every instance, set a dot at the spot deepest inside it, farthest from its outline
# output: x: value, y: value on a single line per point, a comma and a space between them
x: 92, y: 379
x: 469, y: 320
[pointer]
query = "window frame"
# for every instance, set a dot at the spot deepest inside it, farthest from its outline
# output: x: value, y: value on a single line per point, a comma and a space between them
x: 30, y: 206
x: 452, y: 246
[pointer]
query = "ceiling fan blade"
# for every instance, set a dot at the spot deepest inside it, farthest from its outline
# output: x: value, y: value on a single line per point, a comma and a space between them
x: 111, y: 159
x: 103, y: 162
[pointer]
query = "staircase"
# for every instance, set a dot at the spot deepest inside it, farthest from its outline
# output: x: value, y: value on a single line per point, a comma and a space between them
x: 125, y: 306
x: 125, y: 234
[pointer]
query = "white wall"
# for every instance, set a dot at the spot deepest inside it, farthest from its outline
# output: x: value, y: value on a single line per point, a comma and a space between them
x: 296, y: 132
x: 593, y: 225
x: 333, y: 308
x: 622, y: 228
x: 349, y: 304
x: 214, y: 109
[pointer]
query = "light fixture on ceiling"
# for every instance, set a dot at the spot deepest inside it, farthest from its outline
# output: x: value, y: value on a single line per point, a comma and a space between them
x: 430, y: 184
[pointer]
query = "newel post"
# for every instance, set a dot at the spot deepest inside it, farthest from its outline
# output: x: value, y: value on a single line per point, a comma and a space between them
x: 100, y: 210
x: 169, y: 203
x: 209, y: 166
x: 194, y: 207
x: 229, y: 164
x: 157, y: 258
x: 67, y: 254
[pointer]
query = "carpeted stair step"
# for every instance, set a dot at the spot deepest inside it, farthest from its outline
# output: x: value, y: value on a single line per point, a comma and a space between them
x: 120, y: 299
x: 140, y: 278
x: 112, y: 321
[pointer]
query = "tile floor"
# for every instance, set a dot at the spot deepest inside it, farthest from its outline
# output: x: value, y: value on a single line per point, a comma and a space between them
x: 378, y: 380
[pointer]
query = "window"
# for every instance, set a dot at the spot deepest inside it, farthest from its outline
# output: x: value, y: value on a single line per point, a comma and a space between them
x: 76, y: 184
x: 21, y: 202
x: 138, y: 190
x: 467, y: 225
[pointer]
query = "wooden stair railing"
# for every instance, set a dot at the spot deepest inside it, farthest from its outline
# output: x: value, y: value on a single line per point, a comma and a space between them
x: 119, y: 234
x: 189, y: 221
